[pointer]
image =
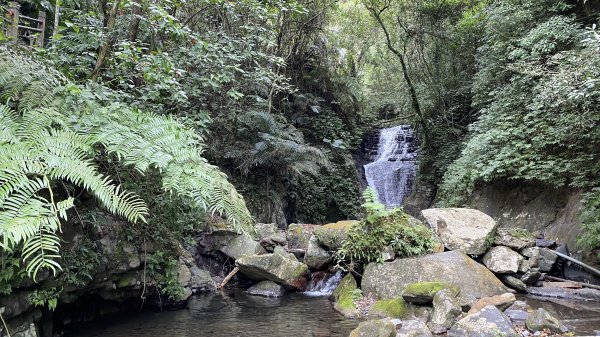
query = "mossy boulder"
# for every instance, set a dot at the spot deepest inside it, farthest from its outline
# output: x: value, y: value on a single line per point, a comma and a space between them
x: 343, y: 296
x: 298, y: 236
x: 423, y: 292
x: 279, y: 267
x: 445, y: 310
x: 541, y: 319
x: 393, y: 308
x: 388, y: 280
x: 375, y: 328
x: 236, y: 246
x: 332, y: 235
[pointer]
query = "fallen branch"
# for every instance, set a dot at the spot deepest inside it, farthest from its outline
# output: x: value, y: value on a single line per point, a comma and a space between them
x: 228, y: 277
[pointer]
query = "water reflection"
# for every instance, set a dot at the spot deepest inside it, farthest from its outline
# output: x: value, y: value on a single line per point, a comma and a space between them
x: 235, y: 314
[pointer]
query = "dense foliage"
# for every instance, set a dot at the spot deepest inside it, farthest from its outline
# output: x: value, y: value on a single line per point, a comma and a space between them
x: 384, y: 232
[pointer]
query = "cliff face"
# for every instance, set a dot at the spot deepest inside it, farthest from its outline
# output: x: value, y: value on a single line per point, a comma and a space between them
x: 540, y: 209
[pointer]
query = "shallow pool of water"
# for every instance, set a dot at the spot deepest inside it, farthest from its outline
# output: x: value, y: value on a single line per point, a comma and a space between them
x: 234, y: 314
x: 581, y: 317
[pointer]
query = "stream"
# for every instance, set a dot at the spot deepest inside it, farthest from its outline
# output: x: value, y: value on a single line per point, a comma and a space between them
x: 232, y: 314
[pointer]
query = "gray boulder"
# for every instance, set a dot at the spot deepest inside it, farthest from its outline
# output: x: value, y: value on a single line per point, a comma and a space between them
x: 515, y: 238
x: 298, y: 236
x: 267, y: 289
x: 201, y: 280
x: 332, y: 235
x: 541, y: 319
x: 279, y: 267
x: 488, y: 322
x: 389, y: 279
x: 445, y: 310
x: 236, y: 246
x: 375, y: 328
x: 542, y: 258
x: 265, y: 229
x: 502, y: 260
x: 514, y: 283
x: 531, y: 277
x: 414, y: 328
x: 316, y: 257
x: 461, y: 228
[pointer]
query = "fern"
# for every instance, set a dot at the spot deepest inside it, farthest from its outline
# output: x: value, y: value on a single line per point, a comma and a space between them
x: 54, y: 136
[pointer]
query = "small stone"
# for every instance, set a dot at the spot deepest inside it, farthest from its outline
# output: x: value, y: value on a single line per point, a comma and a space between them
x: 516, y: 316
x: 414, y: 328
x: 514, y: 283
x: 500, y: 301
x: 545, y: 243
x: 541, y: 319
x: 502, y: 260
x: 267, y: 289
x: 518, y: 305
x: 531, y: 277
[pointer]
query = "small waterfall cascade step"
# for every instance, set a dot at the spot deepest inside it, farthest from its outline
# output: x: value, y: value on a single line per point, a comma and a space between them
x: 393, y: 169
x: 324, y: 284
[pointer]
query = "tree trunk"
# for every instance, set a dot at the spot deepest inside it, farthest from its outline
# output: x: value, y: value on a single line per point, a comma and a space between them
x: 134, y: 25
x: 57, y: 5
x: 108, y: 41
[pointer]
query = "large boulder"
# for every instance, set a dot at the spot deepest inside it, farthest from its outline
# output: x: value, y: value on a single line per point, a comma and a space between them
x: 201, y: 280
x: 236, y: 246
x: 445, y: 310
x: 488, y: 322
x: 266, y: 289
x: 343, y: 297
x: 462, y: 228
x: 388, y: 280
x: 332, y: 235
x: 375, y: 328
x: 316, y: 257
x: 515, y: 238
x: 298, y: 236
x: 278, y: 267
x: 502, y: 260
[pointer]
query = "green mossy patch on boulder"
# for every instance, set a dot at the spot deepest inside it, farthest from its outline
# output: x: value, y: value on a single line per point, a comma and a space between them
x: 394, y: 308
x: 333, y: 235
x: 423, y: 292
x: 343, y: 297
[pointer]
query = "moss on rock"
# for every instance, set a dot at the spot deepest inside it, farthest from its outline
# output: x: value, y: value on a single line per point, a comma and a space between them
x: 394, y: 308
x: 423, y: 292
x: 343, y: 297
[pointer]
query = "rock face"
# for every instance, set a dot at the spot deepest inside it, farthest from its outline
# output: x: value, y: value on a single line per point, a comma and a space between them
x: 389, y: 279
x: 316, y: 257
x: 282, y: 268
x: 488, y: 322
x: 423, y: 292
x: 332, y: 235
x: 375, y: 328
x: 502, y: 260
x: 541, y: 319
x: 267, y: 289
x: 461, y: 228
x: 414, y: 328
x: 445, y: 310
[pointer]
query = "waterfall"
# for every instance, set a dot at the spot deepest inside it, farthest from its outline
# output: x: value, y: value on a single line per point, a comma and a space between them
x: 393, y: 169
x: 323, y: 284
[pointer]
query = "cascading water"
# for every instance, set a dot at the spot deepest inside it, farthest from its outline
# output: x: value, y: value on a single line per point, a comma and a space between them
x: 393, y: 169
x: 323, y: 286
